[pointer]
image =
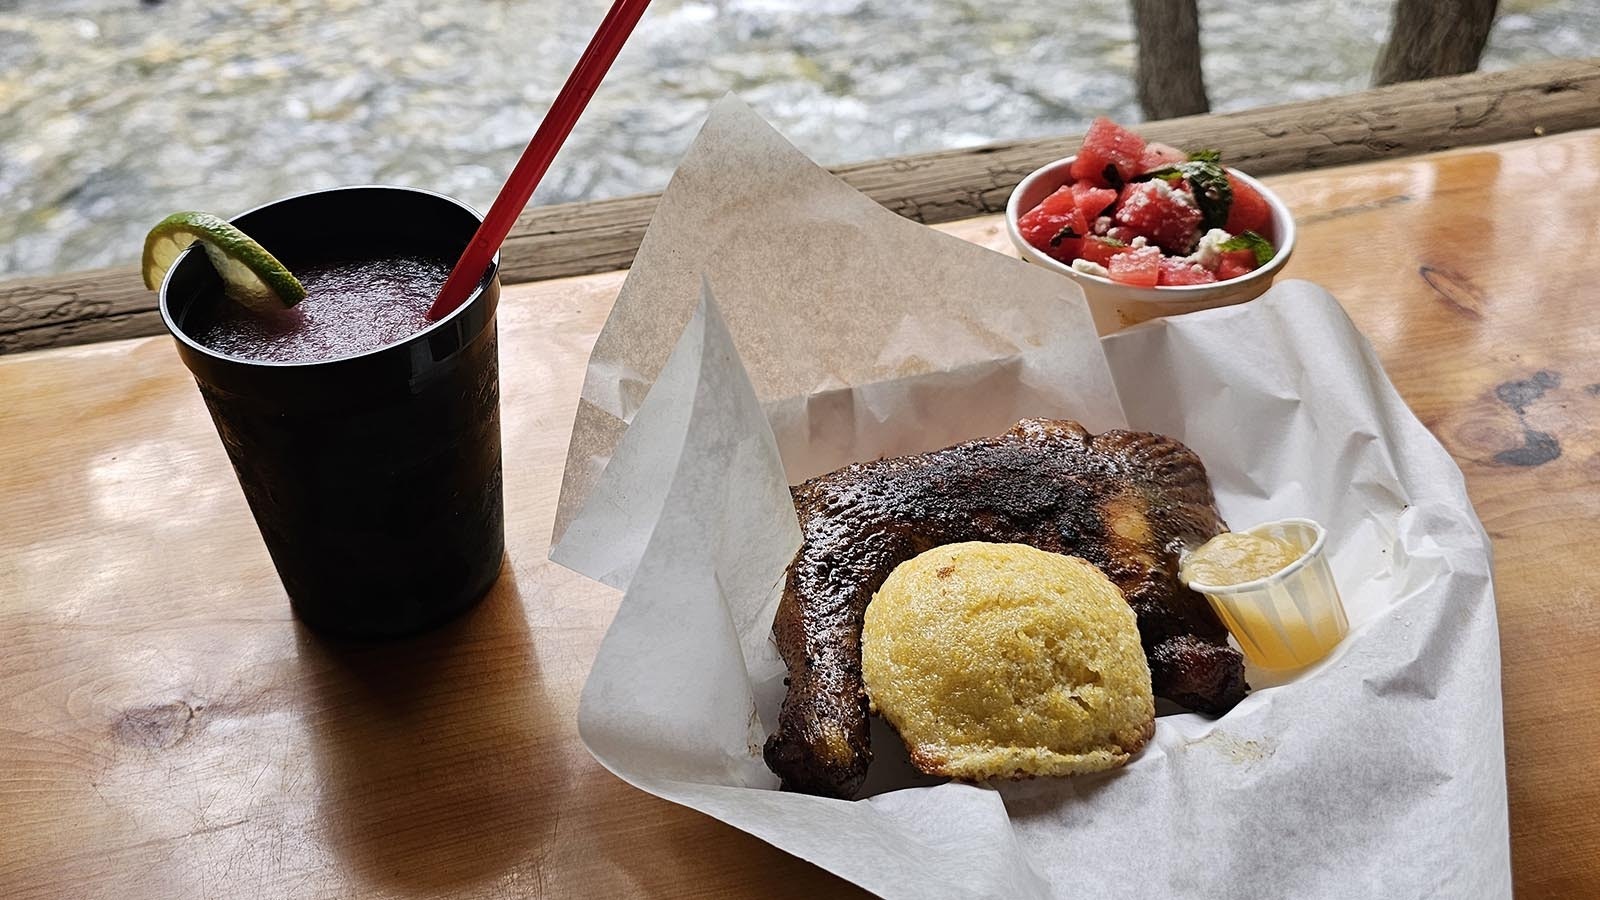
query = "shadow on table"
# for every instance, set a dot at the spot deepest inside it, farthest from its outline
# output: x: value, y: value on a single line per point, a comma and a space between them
x: 428, y: 749
x: 689, y: 848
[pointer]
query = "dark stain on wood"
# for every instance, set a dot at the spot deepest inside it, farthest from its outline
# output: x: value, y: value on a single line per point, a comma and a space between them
x: 1457, y: 292
x: 155, y: 727
x: 1592, y: 390
x: 1519, y: 395
x: 1538, y: 447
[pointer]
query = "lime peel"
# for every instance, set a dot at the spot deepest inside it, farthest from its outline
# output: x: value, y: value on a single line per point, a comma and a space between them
x: 250, y: 275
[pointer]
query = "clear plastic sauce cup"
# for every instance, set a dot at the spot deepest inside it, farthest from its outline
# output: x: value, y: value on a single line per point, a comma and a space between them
x: 1291, y: 618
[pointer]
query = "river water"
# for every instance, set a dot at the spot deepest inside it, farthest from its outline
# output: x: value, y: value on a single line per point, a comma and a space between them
x: 115, y: 112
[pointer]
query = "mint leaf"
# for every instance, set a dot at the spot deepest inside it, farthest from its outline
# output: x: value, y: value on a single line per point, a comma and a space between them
x: 1212, y: 156
x: 1213, y: 192
x: 1108, y: 239
x: 1250, y: 241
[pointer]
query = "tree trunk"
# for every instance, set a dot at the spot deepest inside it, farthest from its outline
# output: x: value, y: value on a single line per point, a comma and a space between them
x: 1168, y: 73
x: 1431, y: 38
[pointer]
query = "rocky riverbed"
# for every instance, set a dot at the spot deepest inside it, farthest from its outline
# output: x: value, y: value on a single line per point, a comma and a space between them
x: 116, y: 112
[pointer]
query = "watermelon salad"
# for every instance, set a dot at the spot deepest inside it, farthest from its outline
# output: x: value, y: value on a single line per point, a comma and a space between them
x: 1150, y: 215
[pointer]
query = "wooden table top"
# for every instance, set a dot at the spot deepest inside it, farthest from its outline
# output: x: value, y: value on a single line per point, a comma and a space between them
x: 169, y: 731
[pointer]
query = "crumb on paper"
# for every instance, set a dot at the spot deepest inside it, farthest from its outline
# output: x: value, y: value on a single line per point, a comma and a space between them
x: 1237, y: 749
x: 756, y: 729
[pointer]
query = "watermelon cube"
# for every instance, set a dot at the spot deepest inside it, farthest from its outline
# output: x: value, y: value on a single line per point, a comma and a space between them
x: 1234, y: 263
x: 1140, y: 267
x: 1175, y: 271
x: 1107, y: 145
x: 1157, y: 154
x: 1249, y: 211
x: 1092, y: 201
x: 1043, y: 226
x: 1099, y: 250
x: 1165, y: 215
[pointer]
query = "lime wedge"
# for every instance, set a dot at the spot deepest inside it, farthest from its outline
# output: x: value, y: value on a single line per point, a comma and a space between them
x: 250, y: 275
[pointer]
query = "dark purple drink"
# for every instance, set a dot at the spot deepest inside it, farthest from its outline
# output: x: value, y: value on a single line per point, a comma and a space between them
x: 351, y: 306
x: 366, y: 438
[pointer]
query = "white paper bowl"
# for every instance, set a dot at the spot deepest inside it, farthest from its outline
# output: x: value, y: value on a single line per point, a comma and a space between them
x: 1117, y: 306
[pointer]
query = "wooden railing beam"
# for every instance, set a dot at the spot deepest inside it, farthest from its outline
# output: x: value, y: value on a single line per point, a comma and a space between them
x: 582, y: 238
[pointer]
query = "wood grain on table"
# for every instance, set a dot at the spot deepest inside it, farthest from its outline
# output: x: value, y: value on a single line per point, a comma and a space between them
x: 169, y: 731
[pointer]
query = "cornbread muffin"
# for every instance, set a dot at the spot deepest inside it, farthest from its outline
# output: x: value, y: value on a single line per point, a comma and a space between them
x: 1000, y: 660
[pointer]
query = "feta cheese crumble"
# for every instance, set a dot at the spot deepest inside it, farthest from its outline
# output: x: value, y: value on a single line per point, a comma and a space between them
x: 1208, y: 254
x: 1089, y: 267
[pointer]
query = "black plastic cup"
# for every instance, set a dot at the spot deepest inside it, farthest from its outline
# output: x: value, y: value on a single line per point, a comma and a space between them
x: 375, y: 478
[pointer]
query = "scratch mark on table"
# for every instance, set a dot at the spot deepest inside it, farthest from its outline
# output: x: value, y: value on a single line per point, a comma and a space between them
x: 1356, y: 209
x: 211, y: 829
x: 155, y: 727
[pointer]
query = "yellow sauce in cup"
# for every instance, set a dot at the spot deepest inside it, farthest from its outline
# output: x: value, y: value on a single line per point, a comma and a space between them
x: 1234, y: 558
x: 1282, y: 620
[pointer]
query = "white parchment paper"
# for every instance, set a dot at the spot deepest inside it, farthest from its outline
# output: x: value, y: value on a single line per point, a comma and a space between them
x: 1378, y: 772
x: 861, y: 332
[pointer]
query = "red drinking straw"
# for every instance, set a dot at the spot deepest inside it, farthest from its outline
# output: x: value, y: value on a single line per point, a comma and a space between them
x: 581, y: 84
